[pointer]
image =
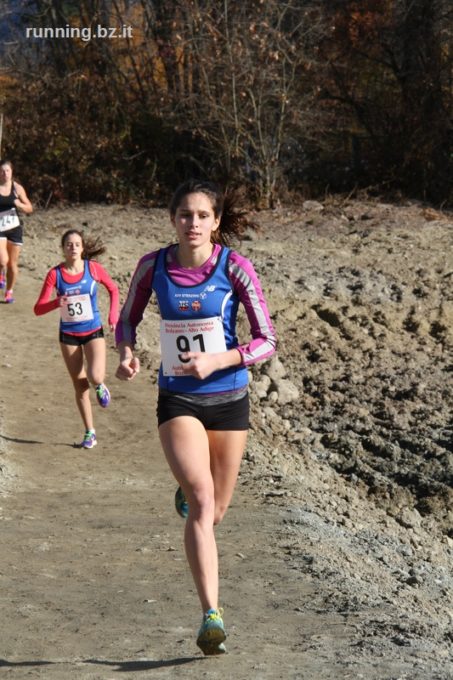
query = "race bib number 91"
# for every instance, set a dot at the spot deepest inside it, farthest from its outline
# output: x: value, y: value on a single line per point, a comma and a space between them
x: 194, y: 335
x: 78, y: 309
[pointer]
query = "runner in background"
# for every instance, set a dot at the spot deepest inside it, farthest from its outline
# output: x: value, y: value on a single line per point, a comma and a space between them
x: 203, y: 405
x: 81, y: 332
x: 12, y: 199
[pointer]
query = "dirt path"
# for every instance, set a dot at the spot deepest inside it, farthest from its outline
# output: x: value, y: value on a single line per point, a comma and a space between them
x: 94, y: 580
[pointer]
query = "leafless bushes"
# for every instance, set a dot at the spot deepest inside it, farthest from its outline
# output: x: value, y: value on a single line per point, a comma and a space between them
x: 277, y: 96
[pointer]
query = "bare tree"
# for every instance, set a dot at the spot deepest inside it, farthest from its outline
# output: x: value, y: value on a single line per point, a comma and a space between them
x: 244, y: 83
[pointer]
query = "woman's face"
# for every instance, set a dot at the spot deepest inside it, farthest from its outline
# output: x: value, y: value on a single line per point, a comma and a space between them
x: 6, y: 173
x: 73, y: 247
x: 195, y: 220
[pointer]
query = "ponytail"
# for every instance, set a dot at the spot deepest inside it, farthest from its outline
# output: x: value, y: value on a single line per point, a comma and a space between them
x: 234, y: 220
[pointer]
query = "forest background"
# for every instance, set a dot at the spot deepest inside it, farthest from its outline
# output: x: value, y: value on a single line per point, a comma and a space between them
x: 286, y: 98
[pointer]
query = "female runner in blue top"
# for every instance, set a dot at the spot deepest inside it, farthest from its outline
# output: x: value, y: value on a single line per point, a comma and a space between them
x: 82, y: 342
x: 203, y: 403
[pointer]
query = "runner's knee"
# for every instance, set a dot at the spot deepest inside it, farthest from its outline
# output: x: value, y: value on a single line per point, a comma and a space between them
x: 95, y: 377
x: 202, y: 504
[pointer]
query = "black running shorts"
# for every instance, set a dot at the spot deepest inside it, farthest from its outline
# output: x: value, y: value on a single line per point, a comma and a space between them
x: 78, y: 340
x: 14, y: 235
x: 232, y: 415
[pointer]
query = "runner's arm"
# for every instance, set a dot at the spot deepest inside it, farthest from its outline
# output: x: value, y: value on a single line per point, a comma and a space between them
x: 22, y: 201
x: 100, y: 274
x: 137, y: 299
x: 247, y: 287
x: 131, y: 315
x: 44, y: 303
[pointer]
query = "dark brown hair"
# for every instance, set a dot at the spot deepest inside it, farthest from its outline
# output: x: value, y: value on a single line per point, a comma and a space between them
x: 91, y: 246
x: 225, y: 204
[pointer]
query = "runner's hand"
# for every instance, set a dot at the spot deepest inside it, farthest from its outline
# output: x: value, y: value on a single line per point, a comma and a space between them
x: 63, y: 300
x: 201, y: 364
x: 128, y: 368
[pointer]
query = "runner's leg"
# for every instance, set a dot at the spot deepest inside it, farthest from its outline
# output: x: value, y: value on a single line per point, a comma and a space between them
x: 3, y: 258
x: 186, y: 446
x: 226, y: 451
x: 95, y: 354
x: 73, y: 358
x: 13, y: 264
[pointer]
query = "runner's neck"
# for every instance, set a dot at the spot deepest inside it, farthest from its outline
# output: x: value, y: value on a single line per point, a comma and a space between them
x: 5, y: 187
x: 74, y: 268
x: 193, y: 259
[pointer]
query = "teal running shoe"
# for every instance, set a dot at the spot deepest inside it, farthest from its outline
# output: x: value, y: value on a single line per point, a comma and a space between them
x: 181, y: 504
x: 212, y: 634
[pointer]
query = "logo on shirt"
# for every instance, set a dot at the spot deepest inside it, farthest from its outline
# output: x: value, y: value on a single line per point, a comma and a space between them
x: 196, y: 305
x: 183, y: 305
x: 208, y: 289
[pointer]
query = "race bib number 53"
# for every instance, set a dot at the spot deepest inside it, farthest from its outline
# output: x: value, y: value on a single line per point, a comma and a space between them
x: 79, y: 308
x: 194, y: 335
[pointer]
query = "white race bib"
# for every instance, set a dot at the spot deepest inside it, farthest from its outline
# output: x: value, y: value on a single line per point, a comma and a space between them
x: 79, y: 308
x: 189, y: 335
x: 9, y: 220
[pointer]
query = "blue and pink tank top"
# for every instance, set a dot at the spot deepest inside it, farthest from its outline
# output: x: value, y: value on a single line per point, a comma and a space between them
x: 212, y: 299
x: 82, y: 313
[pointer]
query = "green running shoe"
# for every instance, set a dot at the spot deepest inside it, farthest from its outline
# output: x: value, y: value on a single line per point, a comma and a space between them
x: 181, y: 504
x: 212, y: 633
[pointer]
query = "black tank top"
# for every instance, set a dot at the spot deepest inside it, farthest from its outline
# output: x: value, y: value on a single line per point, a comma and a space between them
x: 7, y: 202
